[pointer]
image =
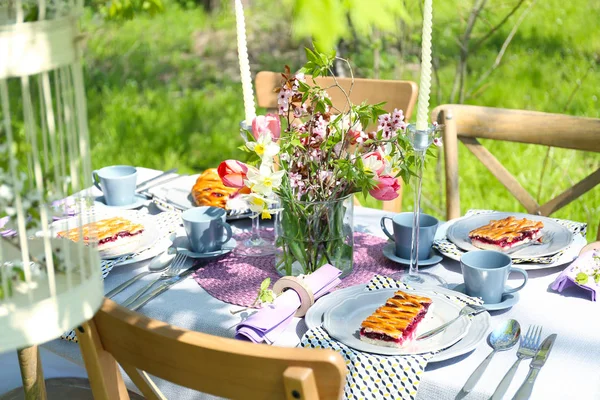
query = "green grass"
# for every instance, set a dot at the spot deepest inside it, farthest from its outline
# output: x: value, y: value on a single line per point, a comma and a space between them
x: 165, y: 91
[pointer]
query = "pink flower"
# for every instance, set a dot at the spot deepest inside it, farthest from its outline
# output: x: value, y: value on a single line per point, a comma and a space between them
x: 357, y: 136
x: 232, y: 173
x: 386, y: 189
x: 266, y: 124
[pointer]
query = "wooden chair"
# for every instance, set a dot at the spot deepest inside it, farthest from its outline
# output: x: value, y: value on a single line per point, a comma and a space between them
x: 219, y: 366
x: 468, y: 123
x: 396, y: 94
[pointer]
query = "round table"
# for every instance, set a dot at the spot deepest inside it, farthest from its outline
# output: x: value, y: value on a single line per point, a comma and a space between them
x: 571, y: 372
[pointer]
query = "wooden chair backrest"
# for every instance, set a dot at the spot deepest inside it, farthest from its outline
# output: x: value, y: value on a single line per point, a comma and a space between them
x: 468, y: 123
x: 219, y: 366
x: 396, y: 94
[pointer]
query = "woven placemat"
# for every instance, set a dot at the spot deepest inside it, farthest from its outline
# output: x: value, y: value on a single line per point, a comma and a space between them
x: 236, y: 280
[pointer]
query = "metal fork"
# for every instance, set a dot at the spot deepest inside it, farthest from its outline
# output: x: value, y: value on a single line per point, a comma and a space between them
x: 527, y: 348
x: 465, y: 311
x: 170, y: 272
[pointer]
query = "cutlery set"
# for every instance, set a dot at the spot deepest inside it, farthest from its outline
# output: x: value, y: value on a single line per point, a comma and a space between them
x: 170, y: 265
x: 503, y: 338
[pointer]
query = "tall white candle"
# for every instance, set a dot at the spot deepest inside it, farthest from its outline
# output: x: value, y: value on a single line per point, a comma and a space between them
x: 425, y: 84
x: 249, y: 110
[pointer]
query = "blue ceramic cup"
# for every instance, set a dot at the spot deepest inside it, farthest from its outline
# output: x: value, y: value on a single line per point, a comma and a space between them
x: 402, y: 237
x: 485, y: 273
x: 117, y: 183
x: 205, y: 228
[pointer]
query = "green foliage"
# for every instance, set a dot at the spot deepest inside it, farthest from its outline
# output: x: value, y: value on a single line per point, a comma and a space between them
x: 127, y: 9
x: 265, y: 295
x: 328, y: 21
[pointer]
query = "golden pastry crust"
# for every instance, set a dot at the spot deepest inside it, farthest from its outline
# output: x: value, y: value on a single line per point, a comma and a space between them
x: 210, y: 191
x: 398, y: 314
x: 103, y: 231
x: 508, y: 229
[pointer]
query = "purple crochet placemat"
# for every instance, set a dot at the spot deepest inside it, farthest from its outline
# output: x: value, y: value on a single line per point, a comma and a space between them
x: 236, y: 280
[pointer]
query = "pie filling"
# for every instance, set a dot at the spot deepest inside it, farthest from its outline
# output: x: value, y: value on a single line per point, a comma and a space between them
x: 506, y: 242
x: 396, y: 321
x: 117, y: 236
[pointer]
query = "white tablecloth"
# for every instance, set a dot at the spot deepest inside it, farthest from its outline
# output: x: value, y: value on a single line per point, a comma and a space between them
x: 572, y: 370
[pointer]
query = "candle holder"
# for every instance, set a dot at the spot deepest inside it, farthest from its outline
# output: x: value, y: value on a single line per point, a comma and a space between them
x: 420, y: 141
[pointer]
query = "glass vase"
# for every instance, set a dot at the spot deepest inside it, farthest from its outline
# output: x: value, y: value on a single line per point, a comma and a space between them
x: 309, y: 235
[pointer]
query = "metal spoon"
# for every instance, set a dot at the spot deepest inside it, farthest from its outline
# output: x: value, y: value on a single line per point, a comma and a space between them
x: 158, y: 264
x: 504, y: 337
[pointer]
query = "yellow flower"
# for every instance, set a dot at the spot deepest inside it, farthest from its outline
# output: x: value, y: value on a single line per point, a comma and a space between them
x: 265, y: 215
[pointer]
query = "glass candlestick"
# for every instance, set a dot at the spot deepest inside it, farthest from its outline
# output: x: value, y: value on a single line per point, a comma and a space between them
x: 256, y: 245
x: 420, y: 140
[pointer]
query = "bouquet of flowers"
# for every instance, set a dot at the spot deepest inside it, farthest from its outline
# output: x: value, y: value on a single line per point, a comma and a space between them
x: 310, y: 159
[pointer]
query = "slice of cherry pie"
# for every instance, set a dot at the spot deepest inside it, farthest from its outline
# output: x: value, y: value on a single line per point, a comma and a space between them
x: 395, y: 323
x: 506, y: 234
x: 106, y: 233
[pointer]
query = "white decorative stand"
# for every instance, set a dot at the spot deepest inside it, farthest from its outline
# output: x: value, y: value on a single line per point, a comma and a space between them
x: 60, y: 285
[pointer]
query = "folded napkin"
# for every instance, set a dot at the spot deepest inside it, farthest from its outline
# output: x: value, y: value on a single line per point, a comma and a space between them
x: 373, y: 376
x: 448, y: 248
x: 271, y: 320
x: 583, y: 272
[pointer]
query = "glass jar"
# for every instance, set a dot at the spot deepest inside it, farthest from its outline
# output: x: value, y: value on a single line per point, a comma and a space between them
x: 309, y: 235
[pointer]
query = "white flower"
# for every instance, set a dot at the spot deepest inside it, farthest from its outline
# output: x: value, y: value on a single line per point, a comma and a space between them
x: 260, y: 204
x: 264, y: 146
x: 237, y: 204
x: 264, y: 181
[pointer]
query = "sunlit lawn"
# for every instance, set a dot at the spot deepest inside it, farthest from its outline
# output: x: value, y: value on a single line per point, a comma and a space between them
x: 164, y: 92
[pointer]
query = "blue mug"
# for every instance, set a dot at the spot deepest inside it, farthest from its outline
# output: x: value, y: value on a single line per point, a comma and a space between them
x: 485, y: 273
x: 117, y: 183
x: 402, y: 237
x: 205, y: 227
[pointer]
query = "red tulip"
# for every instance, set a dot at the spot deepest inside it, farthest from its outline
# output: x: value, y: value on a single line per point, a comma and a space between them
x: 386, y: 189
x: 263, y: 124
x: 232, y: 173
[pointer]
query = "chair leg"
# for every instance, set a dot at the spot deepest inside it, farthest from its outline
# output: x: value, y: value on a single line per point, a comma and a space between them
x: 103, y: 371
x: 32, y: 373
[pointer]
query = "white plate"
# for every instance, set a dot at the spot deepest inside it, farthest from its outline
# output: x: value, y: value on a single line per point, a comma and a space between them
x: 567, y: 257
x: 480, y: 324
x: 343, y: 320
x: 138, y: 202
x: 561, y: 237
x: 145, y: 240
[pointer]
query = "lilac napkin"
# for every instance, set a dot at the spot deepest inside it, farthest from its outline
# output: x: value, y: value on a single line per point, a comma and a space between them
x: 583, y: 272
x: 271, y: 320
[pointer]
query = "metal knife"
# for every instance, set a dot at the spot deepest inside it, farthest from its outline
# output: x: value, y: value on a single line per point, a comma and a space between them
x: 162, y: 288
x: 538, y: 362
x: 171, y: 171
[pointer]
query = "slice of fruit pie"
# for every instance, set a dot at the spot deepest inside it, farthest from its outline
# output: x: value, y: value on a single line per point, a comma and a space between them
x: 395, y: 323
x: 106, y: 233
x: 506, y: 234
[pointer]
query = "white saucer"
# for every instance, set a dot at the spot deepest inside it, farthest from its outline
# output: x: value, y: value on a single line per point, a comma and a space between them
x: 508, y: 299
x: 390, y: 253
x: 139, y: 201
x: 183, y: 248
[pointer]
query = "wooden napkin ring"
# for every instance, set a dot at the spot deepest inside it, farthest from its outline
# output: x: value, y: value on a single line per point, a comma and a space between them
x: 307, y: 298
x: 590, y: 246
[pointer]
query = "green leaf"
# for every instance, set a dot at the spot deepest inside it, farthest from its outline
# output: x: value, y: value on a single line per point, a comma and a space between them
x: 265, y: 284
x: 581, y: 278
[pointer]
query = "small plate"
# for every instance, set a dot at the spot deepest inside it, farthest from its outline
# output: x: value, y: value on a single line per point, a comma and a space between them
x: 458, y: 233
x: 390, y: 253
x: 343, y: 321
x: 183, y: 247
x: 508, y: 299
x: 139, y: 201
